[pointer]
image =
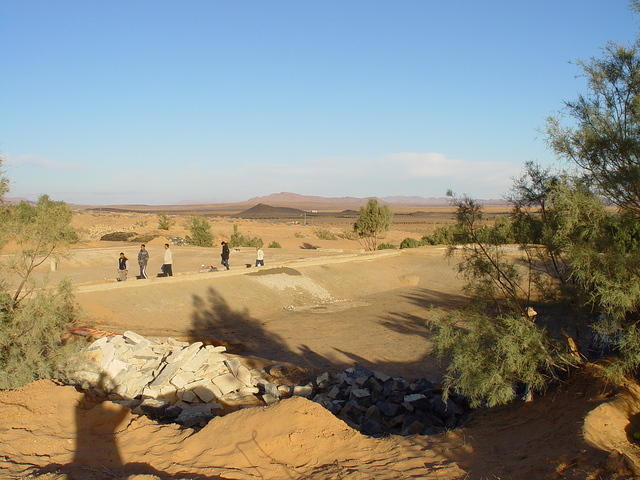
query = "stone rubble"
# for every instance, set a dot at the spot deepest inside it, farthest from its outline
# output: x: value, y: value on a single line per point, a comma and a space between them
x: 173, y: 381
x: 169, y: 380
x: 377, y: 404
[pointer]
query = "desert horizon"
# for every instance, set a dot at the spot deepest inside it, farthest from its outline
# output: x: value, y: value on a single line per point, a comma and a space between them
x: 284, y: 199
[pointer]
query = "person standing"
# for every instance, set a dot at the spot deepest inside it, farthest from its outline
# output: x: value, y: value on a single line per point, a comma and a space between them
x: 167, y: 266
x: 225, y: 255
x: 143, y: 259
x: 259, y: 257
x: 122, y: 268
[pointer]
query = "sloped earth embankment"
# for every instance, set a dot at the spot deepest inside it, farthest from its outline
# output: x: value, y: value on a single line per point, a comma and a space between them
x: 68, y: 433
x: 51, y: 432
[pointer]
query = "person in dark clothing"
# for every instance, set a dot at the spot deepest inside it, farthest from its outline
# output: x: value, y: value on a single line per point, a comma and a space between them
x: 122, y: 268
x: 225, y: 255
x: 143, y: 259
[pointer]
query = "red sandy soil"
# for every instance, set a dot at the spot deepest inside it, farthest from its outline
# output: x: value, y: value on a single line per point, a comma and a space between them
x: 579, y: 430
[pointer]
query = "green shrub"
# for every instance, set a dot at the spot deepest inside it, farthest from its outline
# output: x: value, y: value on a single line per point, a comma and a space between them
x: 200, y: 232
x: 299, y: 235
x: 31, y: 335
x: 520, y: 352
x: 410, y: 243
x: 274, y: 244
x: 500, y: 233
x: 348, y: 235
x: 237, y: 239
x: 324, y: 234
x: 444, y: 235
x: 165, y: 222
x: 373, y: 220
x: 386, y: 246
x: 33, y: 319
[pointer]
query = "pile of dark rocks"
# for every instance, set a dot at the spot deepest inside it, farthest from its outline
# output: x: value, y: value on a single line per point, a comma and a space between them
x: 377, y: 404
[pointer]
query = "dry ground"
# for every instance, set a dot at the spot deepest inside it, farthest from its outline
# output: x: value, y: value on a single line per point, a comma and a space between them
x: 309, y: 312
x: 53, y: 432
x: 290, y: 233
x: 319, y: 310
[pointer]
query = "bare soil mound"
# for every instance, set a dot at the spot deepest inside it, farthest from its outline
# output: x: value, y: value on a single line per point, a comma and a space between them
x: 577, y: 431
x: 615, y: 427
x: 262, y: 210
x: 49, y: 429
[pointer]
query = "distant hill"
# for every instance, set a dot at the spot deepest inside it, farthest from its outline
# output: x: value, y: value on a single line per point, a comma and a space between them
x: 15, y: 200
x: 262, y: 210
x: 298, y: 203
x: 288, y: 199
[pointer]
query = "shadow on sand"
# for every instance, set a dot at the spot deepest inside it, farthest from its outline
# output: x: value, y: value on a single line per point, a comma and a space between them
x: 96, y: 453
x: 533, y: 438
x: 214, y: 321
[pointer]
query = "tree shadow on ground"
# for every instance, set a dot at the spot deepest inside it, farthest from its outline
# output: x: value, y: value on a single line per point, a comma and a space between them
x: 410, y: 324
x: 214, y: 321
x: 428, y: 298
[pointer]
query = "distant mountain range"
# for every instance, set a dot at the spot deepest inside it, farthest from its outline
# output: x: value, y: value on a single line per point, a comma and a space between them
x: 13, y: 200
x: 288, y: 199
x: 282, y: 199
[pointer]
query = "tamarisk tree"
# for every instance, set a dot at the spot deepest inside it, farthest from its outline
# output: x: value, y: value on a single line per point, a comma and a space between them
x: 373, y: 221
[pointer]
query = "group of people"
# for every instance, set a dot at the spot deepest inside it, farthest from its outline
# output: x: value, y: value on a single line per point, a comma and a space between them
x: 167, y: 266
x: 143, y: 260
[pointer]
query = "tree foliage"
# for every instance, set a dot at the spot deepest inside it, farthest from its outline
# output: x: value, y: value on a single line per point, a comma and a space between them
x: 33, y: 318
x: 165, y: 222
x: 410, y: 243
x: 325, y: 234
x: 237, y: 239
x: 31, y: 336
x: 574, y: 251
x: 41, y: 232
x: 200, y: 232
x: 601, y: 247
x: 491, y: 357
x: 373, y: 220
x: 605, y: 141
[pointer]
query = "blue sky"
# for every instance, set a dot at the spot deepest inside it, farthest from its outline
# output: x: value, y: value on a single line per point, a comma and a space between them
x: 162, y: 102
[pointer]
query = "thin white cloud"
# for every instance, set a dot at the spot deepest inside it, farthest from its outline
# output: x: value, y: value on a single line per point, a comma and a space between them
x: 16, y: 161
x: 438, y: 165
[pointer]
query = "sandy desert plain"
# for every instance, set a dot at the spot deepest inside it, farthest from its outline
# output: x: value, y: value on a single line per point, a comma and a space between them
x: 312, y: 310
